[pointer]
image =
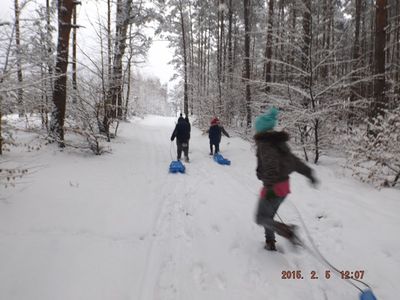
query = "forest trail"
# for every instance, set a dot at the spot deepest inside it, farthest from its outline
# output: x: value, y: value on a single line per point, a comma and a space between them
x: 118, y: 226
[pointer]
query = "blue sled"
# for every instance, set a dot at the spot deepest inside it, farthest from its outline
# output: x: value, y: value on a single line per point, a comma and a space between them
x: 367, y: 295
x: 221, y: 160
x: 176, y: 166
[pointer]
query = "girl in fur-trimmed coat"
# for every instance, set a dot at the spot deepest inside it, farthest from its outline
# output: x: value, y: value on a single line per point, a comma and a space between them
x: 275, y: 162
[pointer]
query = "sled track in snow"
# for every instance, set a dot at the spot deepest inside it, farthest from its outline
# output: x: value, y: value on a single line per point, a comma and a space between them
x: 167, y: 235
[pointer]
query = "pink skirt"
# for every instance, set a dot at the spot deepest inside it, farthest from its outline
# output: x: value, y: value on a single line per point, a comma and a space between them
x: 281, y: 189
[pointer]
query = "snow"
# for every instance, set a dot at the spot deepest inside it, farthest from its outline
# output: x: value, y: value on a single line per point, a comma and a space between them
x: 118, y: 226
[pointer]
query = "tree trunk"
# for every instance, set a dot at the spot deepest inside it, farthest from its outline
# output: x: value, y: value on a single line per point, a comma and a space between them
x: 306, y: 67
x: 113, y: 105
x: 371, y: 56
x: 49, y: 82
x: 18, y: 54
x: 65, y: 8
x: 109, y: 38
x: 247, y: 29
x: 355, y: 91
x: 208, y: 58
x: 191, y: 64
x: 220, y: 51
x: 268, y: 49
x: 185, y: 88
x: 305, y: 58
x: 316, y: 140
x: 292, y: 52
x: 397, y: 61
x: 356, y: 49
x: 200, y: 59
x: 74, y: 82
x: 230, y: 54
x: 128, y: 88
x: 379, y: 67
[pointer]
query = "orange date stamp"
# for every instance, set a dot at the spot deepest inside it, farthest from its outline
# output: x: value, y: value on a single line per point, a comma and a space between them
x: 327, y: 274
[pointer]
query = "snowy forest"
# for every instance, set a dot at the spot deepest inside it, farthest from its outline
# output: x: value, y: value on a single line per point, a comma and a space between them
x: 88, y: 209
x: 332, y: 67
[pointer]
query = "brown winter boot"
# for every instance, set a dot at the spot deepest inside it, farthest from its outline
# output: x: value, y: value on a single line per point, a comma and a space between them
x: 270, y: 245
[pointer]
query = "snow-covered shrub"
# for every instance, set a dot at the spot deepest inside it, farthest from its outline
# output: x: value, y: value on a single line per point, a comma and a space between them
x: 84, y: 121
x: 375, y: 150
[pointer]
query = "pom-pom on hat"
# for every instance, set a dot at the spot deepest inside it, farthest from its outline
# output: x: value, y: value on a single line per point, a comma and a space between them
x: 214, y: 121
x: 267, y: 121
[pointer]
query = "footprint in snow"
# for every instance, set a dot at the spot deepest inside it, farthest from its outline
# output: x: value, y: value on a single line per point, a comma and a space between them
x: 167, y: 289
x: 167, y: 292
x: 253, y: 277
x: 199, y: 275
x: 387, y: 253
x: 215, y: 227
x: 203, y: 201
x: 221, y: 281
x: 337, y: 224
x: 234, y: 248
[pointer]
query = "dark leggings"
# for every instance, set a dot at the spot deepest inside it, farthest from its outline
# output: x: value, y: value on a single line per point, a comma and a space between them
x: 216, y: 148
x: 182, y: 146
x: 266, y: 211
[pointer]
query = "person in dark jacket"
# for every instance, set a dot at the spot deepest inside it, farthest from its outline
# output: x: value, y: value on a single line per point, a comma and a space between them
x: 214, y: 134
x: 275, y: 162
x: 182, y: 135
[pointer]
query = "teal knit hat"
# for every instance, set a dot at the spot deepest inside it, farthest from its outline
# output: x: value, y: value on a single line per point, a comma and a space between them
x: 267, y: 121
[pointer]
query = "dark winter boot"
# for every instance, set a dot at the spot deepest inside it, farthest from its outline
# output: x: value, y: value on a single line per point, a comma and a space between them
x: 187, y: 159
x: 270, y: 245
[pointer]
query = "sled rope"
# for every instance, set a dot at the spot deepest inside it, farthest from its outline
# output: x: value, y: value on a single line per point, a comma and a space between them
x: 170, y: 151
x: 320, y: 256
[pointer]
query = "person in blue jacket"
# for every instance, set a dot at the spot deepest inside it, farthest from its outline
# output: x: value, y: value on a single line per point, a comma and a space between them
x: 214, y: 134
x: 182, y: 135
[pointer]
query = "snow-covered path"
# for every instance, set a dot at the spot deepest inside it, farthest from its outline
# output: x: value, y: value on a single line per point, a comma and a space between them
x: 120, y: 227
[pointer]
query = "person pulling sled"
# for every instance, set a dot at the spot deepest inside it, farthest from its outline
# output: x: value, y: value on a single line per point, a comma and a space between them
x: 182, y: 135
x: 214, y: 134
x: 275, y: 162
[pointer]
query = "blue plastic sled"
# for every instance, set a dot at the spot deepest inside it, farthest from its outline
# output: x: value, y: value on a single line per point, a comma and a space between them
x: 176, y: 166
x: 367, y: 295
x: 221, y: 160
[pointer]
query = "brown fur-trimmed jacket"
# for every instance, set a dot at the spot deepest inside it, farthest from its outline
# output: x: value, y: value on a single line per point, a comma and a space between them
x: 275, y: 161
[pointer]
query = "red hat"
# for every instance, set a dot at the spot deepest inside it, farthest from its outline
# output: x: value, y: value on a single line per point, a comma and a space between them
x: 214, y: 121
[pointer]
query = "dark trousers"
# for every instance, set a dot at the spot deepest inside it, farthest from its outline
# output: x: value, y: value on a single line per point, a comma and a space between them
x: 266, y: 211
x: 216, y: 145
x: 182, y: 146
